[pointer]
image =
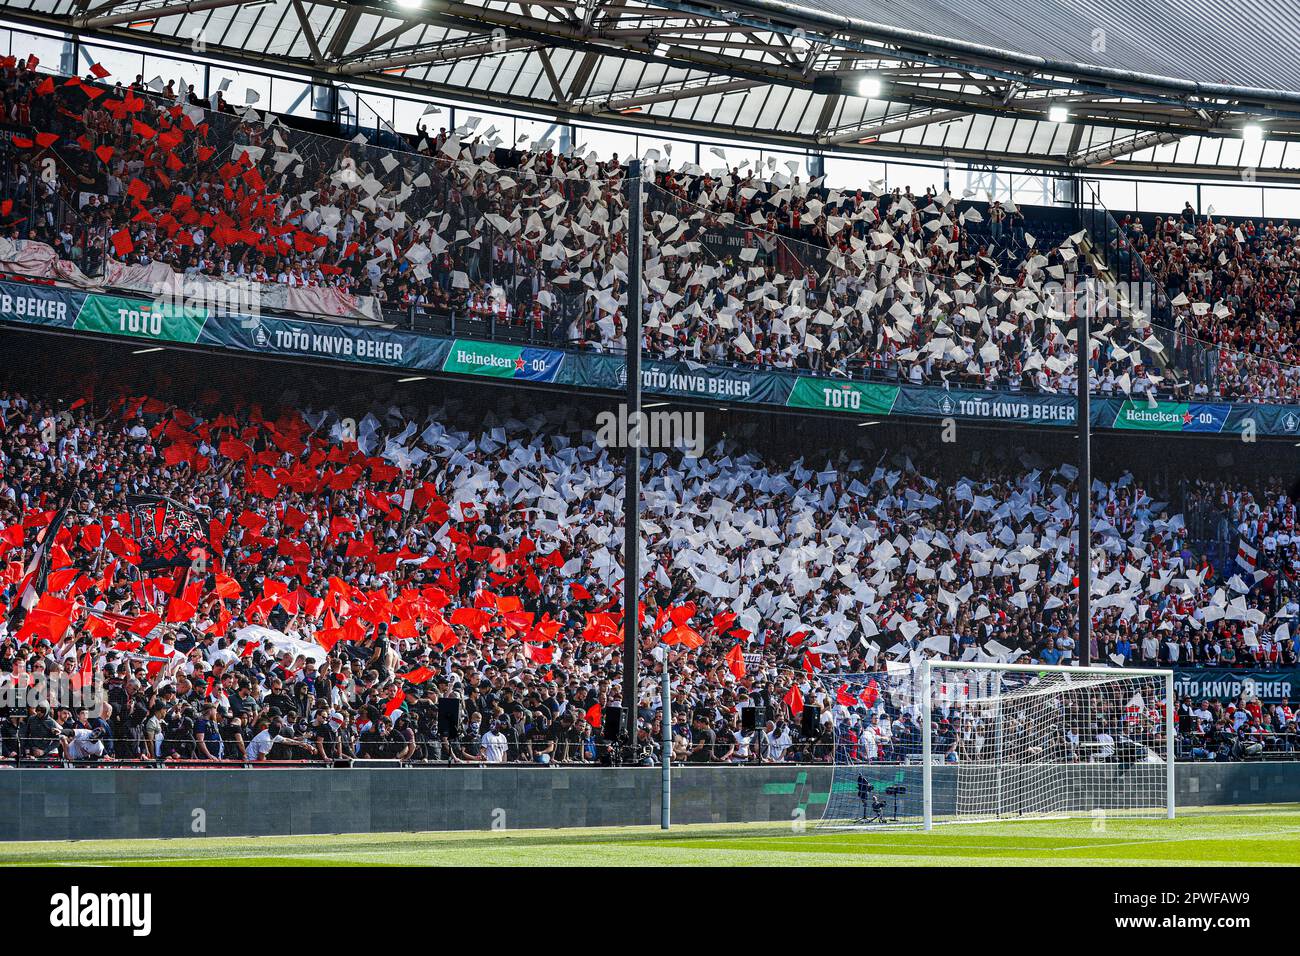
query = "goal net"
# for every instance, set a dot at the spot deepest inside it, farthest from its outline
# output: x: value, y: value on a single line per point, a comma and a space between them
x: 947, y: 741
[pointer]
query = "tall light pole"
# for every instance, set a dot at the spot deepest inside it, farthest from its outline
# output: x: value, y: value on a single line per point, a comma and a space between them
x: 632, y: 465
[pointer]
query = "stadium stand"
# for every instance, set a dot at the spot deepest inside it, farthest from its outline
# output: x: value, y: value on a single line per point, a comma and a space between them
x: 746, y: 267
x: 249, y: 583
x: 252, y: 582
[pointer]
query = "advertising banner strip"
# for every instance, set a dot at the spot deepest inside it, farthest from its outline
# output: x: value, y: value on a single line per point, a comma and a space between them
x: 54, y: 307
x: 840, y: 395
x: 1226, y: 683
x: 114, y: 315
x: 501, y: 360
x: 336, y: 343
x: 1171, y: 416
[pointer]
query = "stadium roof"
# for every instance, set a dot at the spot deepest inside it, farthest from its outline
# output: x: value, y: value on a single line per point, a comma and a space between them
x: 1146, y: 86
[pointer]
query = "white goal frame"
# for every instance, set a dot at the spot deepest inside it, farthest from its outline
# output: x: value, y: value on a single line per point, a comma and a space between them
x: 929, y: 667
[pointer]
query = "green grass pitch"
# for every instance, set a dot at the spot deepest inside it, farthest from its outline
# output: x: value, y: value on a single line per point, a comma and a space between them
x: 1236, y: 836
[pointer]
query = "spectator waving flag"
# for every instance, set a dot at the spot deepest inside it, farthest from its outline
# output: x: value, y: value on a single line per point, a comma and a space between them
x: 1246, y: 555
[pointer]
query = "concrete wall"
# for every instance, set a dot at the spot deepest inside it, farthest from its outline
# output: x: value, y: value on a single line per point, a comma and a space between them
x: 52, y: 804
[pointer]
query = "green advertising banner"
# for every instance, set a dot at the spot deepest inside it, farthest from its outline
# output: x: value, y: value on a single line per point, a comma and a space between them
x: 1171, y: 416
x: 1225, y: 683
x: 500, y: 360
x: 114, y: 315
x: 838, y: 395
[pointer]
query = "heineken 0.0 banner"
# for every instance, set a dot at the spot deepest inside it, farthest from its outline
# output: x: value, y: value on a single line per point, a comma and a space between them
x: 1224, y: 683
x: 499, y: 360
x: 1171, y: 416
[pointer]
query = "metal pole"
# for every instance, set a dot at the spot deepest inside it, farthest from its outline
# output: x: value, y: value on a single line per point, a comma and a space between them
x: 1170, y: 727
x: 666, y: 773
x: 632, y: 466
x: 927, y: 769
x: 1085, y: 484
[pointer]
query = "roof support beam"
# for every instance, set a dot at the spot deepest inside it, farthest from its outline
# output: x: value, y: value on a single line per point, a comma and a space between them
x: 437, y: 54
x: 668, y: 96
x: 308, y: 33
x: 896, y: 126
x: 1108, y: 154
x: 153, y: 13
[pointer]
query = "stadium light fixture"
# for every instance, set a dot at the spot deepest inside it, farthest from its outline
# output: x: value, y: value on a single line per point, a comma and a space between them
x: 1058, y: 114
x: 146, y: 351
x: 1252, y: 133
x: 870, y: 87
x: 654, y: 404
x: 413, y: 378
x: 865, y: 424
x: 410, y: 4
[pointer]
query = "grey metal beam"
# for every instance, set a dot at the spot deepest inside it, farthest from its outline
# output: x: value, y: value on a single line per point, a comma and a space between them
x: 895, y: 126
x: 152, y: 13
x: 307, y: 32
x: 438, y: 54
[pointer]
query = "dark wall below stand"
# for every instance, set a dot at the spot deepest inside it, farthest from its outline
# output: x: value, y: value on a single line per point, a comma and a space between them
x: 84, y: 804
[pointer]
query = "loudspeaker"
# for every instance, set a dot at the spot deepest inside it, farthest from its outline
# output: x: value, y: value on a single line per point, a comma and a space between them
x: 611, y: 722
x: 448, y: 716
x: 811, y: 718
x: 753, y: 717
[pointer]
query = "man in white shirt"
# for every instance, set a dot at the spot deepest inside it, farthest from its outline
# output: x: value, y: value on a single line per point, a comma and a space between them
x: 83, y: 744
x: 267, y: 738
x: 495, y: 745
x: 778, y: 741
x: 1105, y: 746
x: 1150, y: 650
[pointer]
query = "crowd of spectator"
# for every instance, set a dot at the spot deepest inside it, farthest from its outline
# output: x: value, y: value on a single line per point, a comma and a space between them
x: 743, y: 265
x: 296, y: 580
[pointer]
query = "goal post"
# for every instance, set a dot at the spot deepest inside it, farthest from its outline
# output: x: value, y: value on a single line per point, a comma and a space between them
x: 962, y: 741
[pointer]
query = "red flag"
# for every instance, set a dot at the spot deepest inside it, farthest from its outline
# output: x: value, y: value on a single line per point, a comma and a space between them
x: 871, y: 693
x: 84, y: 676
x: 593, y: 715
x: 420, y: 675
x: 391, y: 707
x: 842, y: 696
x: 122, y: 243
x: 794, y: 700
x: 539, y: 655
x: 736, y: 662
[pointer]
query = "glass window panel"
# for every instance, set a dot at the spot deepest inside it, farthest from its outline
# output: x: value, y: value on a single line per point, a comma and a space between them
x: 122, y: 65
x: 179, y: 71
x: 605, y: 143
x: 683, y: 151
x: 845, y: 174
x: 1232, y: 200
x: 1164, y: 197
x: 920, y: 178
x: 1117, y: 194
x: 1281, y: 203
x: 292, y: 97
